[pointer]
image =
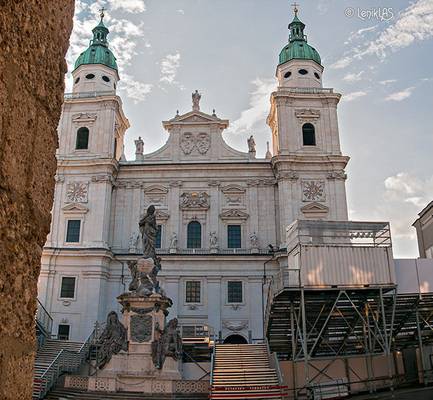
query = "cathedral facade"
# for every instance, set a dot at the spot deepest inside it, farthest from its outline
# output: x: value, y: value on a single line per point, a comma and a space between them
x: 222, y: 214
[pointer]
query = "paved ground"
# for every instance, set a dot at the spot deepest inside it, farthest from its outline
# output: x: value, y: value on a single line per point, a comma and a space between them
x: 404, y: 394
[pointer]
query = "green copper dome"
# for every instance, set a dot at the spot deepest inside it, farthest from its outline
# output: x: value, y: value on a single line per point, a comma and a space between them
x: 98, y: 51
x: 298, y: 48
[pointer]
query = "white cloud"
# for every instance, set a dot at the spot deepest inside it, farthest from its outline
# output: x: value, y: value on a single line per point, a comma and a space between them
x: 169, y: 66
x: 388, y: 81
x: 354, y: 95
x: 414, y: 23
x: 359, y: 34
x: 341, y: 63
x: 259, y: 106
x: 136, y: 91
x: 123, y: 39
x: 180, y: 11
x: 132, y: 6
x: 399, y: 96
x: 405, y: 196
x: 352, y: 77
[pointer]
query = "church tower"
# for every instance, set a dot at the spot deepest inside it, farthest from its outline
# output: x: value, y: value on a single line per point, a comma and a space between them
x: 91, y: 132
x: 307, y: 158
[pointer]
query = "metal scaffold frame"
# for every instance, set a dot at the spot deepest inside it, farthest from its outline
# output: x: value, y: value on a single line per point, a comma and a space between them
x: 337, y: 300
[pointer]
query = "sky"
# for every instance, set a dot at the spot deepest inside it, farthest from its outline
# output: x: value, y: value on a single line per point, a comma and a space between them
x: 378, y: 54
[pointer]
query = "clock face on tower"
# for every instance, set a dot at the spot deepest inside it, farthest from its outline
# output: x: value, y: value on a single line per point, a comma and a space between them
x: 76, y: 192
x: 313, y: 190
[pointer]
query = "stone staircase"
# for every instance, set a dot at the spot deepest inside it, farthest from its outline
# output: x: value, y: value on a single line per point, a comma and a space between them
x: 71, y: 394
x: 48, y: 362
x: 244, y: 371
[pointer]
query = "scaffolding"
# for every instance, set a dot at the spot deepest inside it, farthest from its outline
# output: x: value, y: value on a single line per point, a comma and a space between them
x: 337, y: 300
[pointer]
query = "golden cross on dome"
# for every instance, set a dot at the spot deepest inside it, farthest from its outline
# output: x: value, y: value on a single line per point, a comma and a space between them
x: 102, y: 12
x: 295, y: 8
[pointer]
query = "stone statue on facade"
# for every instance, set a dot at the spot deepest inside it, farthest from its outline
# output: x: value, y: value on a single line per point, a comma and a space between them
x: 133, y: 242
x: 213, y: 240
x: 251, y: 144
x: 169, y: 344
x: 196, y: 97
x: 148, y: 230
x: 139, y: 148
x: 254, y: 241
x: 112, y: 340
x: 173, y: 241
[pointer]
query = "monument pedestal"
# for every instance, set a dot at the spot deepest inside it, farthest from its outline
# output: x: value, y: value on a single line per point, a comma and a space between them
x: 134, y: 370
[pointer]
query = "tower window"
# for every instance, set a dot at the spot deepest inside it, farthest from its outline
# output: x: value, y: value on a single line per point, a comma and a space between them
x: 287, y: 74
x: 82, y: 142
x: 67, y: 289
x: 158, y: 237
x: 234, y: 292
x: 194, y: 235
x: 234, y: 236
x: 308, y: 134
x: 105, y: 78
x: 77, y: 80
x: 303, y: 71
x: 90, y: 76
x: 73, y: 231
x: 317, y: 75
x: 192, y: 292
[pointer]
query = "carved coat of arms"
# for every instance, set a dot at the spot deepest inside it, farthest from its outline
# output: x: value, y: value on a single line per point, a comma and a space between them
x: 141, y: 328
x: 187, y: 143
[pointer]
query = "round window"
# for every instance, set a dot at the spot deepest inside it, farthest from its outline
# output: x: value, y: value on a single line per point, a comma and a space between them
x: 303, y: 71
x: 287, y: 74
x: 317, y: 75
x: 105, y: 78
x: 90, y: 76
x: 77, y: 80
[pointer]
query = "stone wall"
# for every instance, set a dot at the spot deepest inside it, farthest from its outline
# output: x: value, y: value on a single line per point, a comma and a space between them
x: 34, y: 37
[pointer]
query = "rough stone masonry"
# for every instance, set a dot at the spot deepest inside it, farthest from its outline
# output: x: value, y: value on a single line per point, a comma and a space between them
x: 34, y: 38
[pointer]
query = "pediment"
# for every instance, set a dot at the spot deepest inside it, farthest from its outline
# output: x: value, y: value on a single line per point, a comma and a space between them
x: 75, y: 208
x: 315, y: 210
x: 195, y: 118
x: 155, y: 189
x: 234, y: 215
x: 233, y: 189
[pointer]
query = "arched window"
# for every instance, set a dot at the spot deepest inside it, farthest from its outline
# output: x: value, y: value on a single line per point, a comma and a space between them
x: 194, y: 235
x: 82, y: 142
x: 308, y: 134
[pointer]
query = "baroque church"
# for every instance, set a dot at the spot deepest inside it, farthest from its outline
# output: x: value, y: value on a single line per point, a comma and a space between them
x: 222, y: 214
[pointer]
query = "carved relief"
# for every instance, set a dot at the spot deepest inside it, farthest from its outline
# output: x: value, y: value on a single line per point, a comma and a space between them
x: 156, y: 195
x: 84, y: 117
x: 187, y: 143
x: 313, y: 190
x: 290, y: 175
x: 337, y: 175
x: 194, y: 200
x: 141, y: 328
x: 76, y: 192
x: 203, y: 143
x: 307, y: 114
x: 234, y: 196
x: 235, y: 326
x: 200, y: 142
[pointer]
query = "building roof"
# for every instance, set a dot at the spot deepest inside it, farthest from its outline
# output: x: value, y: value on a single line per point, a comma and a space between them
x: 98, y: 51
x: 298, y: 48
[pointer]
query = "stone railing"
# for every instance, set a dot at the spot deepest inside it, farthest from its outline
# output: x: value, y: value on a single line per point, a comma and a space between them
x: 100, y: 384
x: 86, y: 95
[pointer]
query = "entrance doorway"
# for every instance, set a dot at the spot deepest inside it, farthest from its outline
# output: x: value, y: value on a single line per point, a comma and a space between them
x: 235, y: 339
